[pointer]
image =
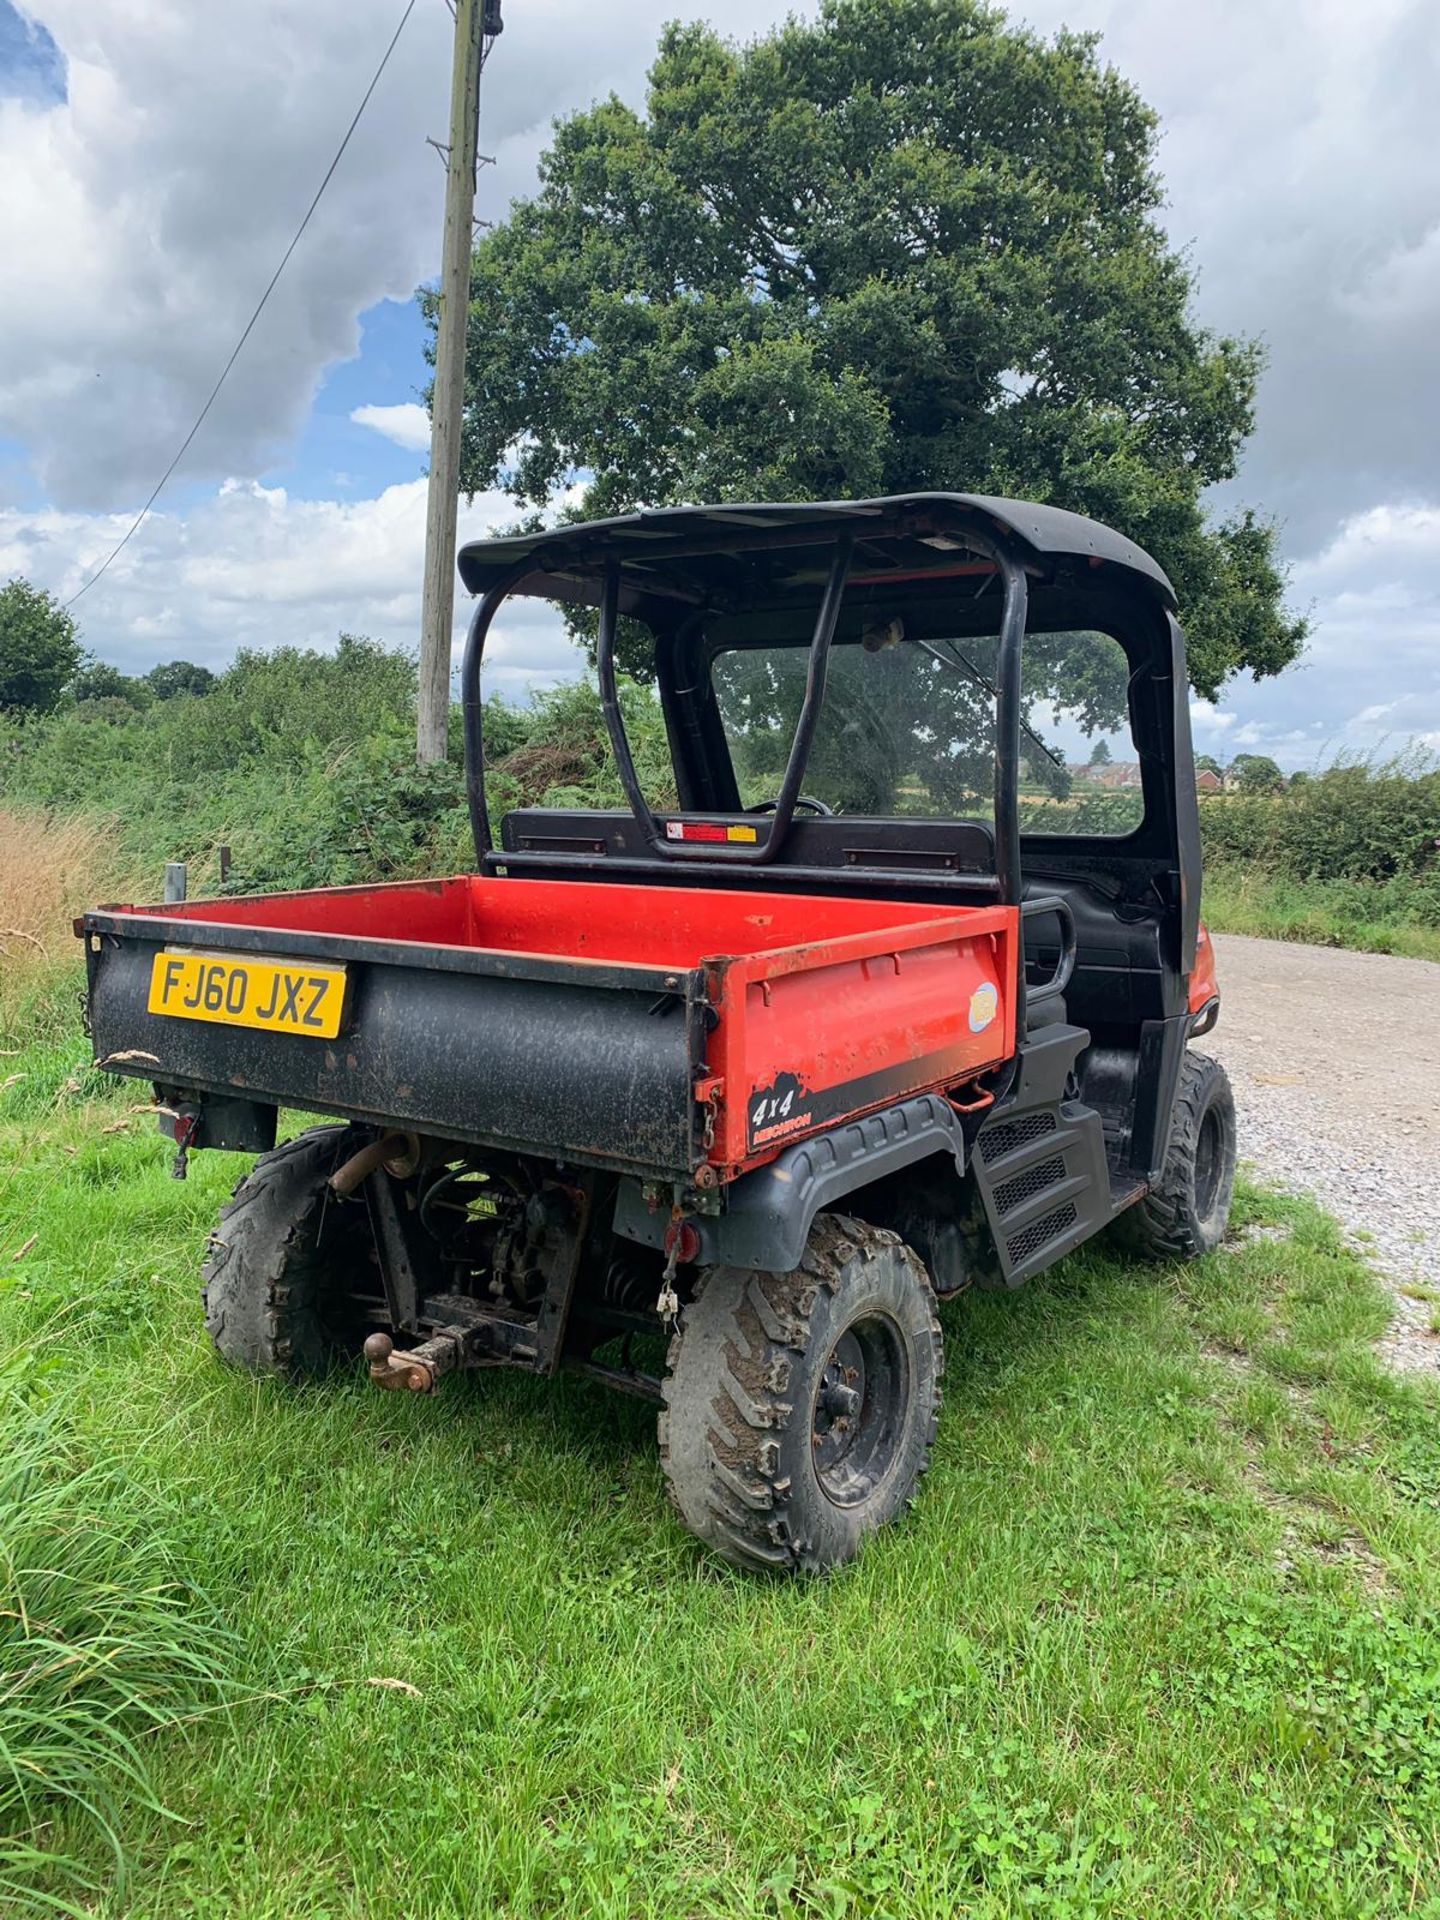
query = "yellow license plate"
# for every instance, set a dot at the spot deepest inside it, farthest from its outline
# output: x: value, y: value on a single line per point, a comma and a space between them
x: 282, y: 996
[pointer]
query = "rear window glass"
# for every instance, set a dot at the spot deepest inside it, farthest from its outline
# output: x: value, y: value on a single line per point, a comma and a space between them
x: 908, y: 727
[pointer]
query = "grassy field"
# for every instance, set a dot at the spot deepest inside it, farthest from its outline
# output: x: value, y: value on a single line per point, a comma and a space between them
x: 1368, y: 916
x: 1160, y: 1639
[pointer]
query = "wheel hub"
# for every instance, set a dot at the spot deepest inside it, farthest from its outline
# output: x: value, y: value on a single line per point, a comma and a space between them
x: 1209, y: 1163
x: 858, y: 1411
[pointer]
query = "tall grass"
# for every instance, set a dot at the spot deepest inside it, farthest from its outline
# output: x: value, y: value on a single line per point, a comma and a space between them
x: 102, y: 1641
x: 51, y: 868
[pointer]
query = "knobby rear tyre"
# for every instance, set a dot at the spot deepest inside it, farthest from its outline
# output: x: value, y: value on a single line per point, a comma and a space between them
x: 1187, y: 1211
x: 287, y: 1259
x: 800, y: 1408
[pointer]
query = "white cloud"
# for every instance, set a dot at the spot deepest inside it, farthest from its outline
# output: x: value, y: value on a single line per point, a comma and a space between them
x: 407, y: 424
x: 1370, y: 679
x: 1206, y: 718
x: 1370, y: 546
x: 141, y: 217
x: 253, y: 567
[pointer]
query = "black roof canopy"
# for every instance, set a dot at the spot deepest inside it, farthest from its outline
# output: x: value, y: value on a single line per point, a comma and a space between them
x: 750, y: 555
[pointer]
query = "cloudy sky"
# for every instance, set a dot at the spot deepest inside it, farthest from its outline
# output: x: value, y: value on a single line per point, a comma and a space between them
x: 155, y: 160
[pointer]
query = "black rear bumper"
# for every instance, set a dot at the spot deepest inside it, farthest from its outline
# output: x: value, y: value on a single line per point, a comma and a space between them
x: 569, y: 1060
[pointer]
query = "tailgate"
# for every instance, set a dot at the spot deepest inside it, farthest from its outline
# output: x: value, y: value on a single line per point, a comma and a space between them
x: 566, y: 1058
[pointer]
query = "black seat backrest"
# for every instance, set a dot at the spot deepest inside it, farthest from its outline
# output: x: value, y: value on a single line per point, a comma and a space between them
x: 839, y: 843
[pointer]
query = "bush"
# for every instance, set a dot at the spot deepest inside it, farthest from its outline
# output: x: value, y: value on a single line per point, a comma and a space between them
x: 565, y: 758
x: 365, y: 812
x: 1358, y: 821
x: 1084, y: 811
x: 303, y: 764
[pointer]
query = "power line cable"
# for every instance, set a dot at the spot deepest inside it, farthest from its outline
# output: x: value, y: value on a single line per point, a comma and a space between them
x: 184, y: 447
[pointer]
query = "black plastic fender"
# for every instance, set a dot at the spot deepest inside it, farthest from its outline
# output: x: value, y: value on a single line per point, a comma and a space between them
x: 768, y: 1214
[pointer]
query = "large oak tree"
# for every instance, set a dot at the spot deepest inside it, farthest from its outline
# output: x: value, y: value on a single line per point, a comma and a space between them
x: 903, y: 246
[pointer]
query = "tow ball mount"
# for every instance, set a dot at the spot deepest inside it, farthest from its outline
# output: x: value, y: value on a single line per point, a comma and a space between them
x: 418, y: 1371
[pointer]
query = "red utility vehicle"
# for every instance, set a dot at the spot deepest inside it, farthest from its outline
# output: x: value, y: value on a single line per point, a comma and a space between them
x: 712, y: 1097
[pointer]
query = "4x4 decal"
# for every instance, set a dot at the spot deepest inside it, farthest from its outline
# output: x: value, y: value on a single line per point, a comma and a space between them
x: 776, y: 1111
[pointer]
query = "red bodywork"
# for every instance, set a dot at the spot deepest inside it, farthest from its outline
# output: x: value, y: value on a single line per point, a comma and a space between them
x: 1203, y: 985
x: 825, y: 1008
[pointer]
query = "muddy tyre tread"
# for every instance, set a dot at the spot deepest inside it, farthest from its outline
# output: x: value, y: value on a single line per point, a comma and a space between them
x: 729, y: 1394
x: 1164, y: 1226
x: 267, y: 1279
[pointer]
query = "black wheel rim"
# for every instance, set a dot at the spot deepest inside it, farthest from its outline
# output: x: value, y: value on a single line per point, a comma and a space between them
x: 858, y: 1420
x: 1209, y: 1162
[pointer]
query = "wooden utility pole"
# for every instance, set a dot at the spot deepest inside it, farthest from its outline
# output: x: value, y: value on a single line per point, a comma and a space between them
x: 475, y: 20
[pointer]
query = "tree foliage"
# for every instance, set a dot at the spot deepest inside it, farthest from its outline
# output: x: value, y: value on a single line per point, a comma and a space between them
x: 902, y: 246
x: 39, y: 649
x: 1256, y: 773
x: 97, y: 680
x: 179, y: 676
x: 911, y: 729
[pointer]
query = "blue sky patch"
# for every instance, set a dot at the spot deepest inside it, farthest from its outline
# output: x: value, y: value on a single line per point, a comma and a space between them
x: 32, y: 67
x: 335, y: 458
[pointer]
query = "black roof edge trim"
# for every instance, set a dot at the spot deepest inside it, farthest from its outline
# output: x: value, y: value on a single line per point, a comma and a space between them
x: 570, y: 559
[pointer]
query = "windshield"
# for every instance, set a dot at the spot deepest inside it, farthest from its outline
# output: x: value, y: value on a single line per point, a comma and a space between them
x: 908, y: 727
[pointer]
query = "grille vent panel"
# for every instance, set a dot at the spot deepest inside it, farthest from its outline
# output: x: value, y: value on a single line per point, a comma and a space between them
x: 1027, y: 1244
x: 1014, y: 1192
x: 996, y: 1142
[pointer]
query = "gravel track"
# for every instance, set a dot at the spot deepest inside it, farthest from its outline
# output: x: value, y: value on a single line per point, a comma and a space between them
x: 1335, y: 1059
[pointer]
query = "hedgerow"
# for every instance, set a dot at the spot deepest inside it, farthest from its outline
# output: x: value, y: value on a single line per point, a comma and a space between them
x: 302, y: 763
x: 1354, y: 821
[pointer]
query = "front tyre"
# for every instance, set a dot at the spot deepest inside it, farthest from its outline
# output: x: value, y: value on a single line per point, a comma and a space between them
x: 288, y: 1260
x: 1186, y: 1212
x: 800, y: 1408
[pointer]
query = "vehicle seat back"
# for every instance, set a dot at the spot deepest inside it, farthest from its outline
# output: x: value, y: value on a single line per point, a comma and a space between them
x: 841, y: 843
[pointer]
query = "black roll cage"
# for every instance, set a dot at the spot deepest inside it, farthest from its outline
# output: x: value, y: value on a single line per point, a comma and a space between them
x: 764, y: 851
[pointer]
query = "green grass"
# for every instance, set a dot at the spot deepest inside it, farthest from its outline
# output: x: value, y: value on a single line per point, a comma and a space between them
x: 1161, y: 1638
x: 102, y: 1637
x: 1370, y: 916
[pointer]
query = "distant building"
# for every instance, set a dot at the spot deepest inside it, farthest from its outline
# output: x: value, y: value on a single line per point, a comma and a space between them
x: 1208, y: 781
x: 1115, y: 777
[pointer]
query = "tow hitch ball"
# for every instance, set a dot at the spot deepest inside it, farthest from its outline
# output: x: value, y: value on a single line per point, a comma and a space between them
x: 417, y: 1372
